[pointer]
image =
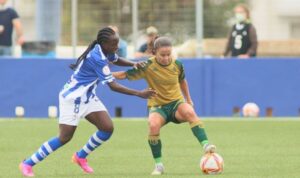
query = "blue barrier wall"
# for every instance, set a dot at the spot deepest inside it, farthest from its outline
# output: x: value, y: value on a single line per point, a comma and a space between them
x: 216, y: 86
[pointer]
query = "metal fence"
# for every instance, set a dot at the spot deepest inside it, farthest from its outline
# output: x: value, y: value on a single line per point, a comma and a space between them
x: 72, y: 24
x: 52, y: 20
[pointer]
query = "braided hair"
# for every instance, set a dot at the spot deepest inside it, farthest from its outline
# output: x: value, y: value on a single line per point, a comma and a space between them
x: 103, y: 36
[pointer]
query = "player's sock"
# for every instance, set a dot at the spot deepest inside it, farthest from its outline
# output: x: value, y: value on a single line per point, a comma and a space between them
x: 155, y: 145
x: 46, y: 148
x: 96, y: 140
x: 199, y: 132
x: 157, y: 160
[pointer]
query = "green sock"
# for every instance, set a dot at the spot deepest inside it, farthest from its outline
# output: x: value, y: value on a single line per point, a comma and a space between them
x: 155, y: 145
x: 199, y: 132
x: 157, y: 160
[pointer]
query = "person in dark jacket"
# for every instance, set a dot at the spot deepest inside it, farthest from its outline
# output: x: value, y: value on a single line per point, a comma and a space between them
x: 242, y: 39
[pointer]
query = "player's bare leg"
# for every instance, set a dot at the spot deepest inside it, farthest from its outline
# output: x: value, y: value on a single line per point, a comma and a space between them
x: 65, y: 135
x: 155, y: 122
x: 186, y: 113
x: 105, y: 128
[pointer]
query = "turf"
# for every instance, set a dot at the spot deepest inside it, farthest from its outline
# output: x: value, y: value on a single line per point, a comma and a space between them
x: 251, y: 148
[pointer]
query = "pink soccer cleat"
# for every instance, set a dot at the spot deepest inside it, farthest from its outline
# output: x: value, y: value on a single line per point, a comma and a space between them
x: 26, y: 170
x: 82, y: 162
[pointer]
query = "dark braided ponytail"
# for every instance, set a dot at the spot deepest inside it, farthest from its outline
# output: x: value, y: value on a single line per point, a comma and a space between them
x: 103, y: 36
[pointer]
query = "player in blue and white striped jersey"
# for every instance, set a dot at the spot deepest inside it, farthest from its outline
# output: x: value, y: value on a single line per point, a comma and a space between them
x: 78, y: 99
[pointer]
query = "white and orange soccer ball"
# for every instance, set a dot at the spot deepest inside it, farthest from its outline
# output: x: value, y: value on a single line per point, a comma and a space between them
x: 250, y: 110
x: 212, y: 163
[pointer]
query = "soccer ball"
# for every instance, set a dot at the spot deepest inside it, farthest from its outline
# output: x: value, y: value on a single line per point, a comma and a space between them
x: 212, y: 163
x: 250, y: 110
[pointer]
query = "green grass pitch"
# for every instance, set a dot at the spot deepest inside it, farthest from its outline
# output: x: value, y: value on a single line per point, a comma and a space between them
x: 251, y: 148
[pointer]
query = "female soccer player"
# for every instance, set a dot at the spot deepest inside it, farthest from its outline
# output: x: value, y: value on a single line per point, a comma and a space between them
x: 78, y: 99
x: 166, y: 76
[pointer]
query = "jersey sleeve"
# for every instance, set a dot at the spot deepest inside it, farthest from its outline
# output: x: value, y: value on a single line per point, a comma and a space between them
x: 135, y: 74
x: 112, y: 57
x: 13, y: 14
x: 181, y: 69
x: 103, y: 72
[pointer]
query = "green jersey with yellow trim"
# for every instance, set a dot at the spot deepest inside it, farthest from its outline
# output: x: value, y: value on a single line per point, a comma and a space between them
x: 164, y: 79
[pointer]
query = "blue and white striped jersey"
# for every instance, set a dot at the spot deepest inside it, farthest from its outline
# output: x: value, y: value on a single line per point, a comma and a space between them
x: 89, y: 73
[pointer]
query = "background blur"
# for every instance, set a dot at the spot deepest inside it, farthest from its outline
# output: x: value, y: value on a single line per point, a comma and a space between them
x: 218, y: 87
x: 276, y: 22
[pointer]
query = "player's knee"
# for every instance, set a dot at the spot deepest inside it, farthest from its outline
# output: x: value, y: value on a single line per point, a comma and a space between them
x: 108, y: 128
x: 154, y: 126
x: 190, y: 115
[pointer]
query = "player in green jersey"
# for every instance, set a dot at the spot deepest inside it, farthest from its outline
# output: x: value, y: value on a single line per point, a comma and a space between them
x: 173, y: 102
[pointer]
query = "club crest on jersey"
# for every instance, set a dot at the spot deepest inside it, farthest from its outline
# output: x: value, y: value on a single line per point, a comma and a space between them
x: 106, y: 70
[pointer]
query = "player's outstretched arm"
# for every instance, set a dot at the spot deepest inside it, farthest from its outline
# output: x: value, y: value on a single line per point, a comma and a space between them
x: 147, y: 93
x: 119, y: 75
x: 185, y: 91
x: 123, y: 62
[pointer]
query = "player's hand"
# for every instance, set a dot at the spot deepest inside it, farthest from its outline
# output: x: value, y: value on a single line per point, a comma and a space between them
x: 147, y: 93
x: 139, y: 65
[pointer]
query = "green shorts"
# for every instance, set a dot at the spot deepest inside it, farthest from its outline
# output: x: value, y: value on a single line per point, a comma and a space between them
x: 167, y: 111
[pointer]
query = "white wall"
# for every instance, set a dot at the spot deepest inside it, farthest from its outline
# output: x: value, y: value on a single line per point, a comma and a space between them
x: 273, y: 19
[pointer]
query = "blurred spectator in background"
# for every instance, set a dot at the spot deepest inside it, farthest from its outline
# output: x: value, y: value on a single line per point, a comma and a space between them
x: 122, y: 50
x: 242, y: 39
x: 9, y: 19
x: 145, y: 49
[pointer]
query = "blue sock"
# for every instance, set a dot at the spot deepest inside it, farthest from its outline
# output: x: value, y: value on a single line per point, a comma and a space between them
x: 96, y: 140
x: 46, y: 148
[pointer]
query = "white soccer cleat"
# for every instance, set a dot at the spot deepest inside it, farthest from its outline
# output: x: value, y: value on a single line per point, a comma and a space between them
x: 158, y: 170
x: 208, y: 148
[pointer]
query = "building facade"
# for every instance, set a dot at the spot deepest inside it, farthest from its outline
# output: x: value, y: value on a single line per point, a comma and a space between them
x: 276, y: 19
